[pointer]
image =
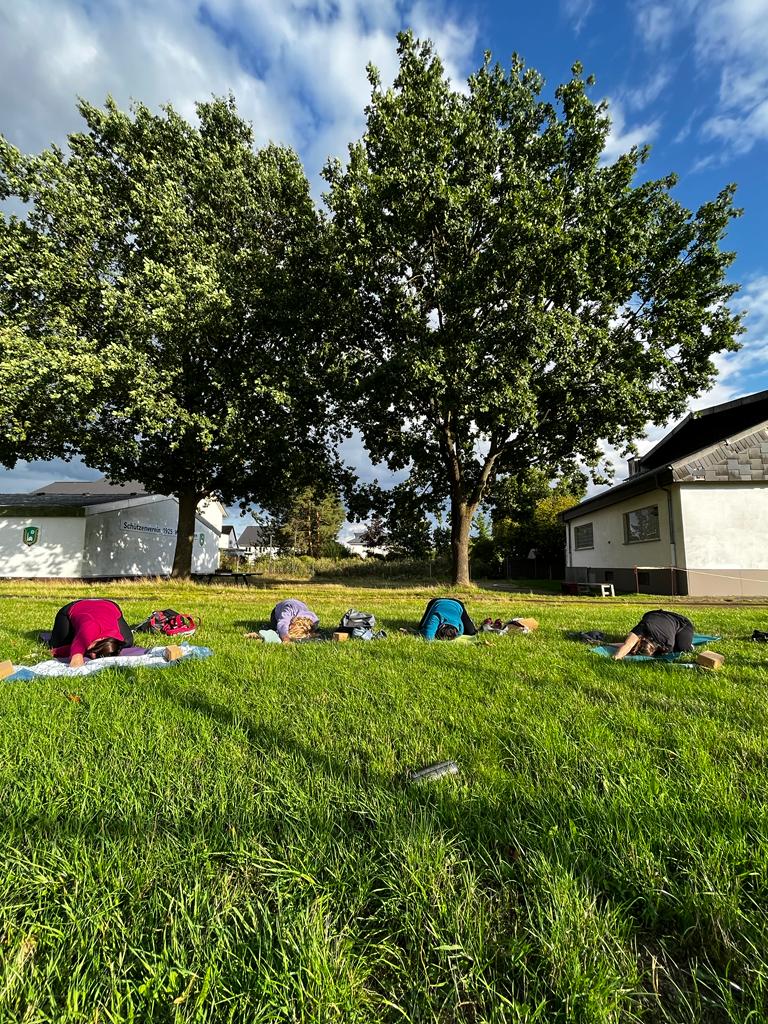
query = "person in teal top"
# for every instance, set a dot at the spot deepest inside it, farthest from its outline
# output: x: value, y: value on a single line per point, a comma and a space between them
x: 444, y: 619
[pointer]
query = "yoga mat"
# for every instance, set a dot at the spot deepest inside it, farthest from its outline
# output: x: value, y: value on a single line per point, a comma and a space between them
x: 152, y: 658
x: 608, y: 650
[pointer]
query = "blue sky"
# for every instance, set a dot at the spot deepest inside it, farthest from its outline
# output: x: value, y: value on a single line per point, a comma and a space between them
x: 690, y: 77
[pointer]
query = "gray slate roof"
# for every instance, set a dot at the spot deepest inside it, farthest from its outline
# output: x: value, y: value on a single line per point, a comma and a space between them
x: 46, y: 501
x: 704, y: 428
x: 131, y: 489
x: 252, y: 537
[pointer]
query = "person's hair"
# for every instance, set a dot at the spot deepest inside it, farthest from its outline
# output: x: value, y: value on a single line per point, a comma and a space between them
x: 446, y: 632
x: 300, y: 626
x: 107, y: 647
x: 649, y: 647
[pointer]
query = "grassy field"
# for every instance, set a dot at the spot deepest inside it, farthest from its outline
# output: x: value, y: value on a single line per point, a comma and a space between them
x: 234, y: 839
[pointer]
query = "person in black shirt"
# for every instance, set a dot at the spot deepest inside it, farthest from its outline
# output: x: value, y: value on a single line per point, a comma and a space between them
x: 658, y: 633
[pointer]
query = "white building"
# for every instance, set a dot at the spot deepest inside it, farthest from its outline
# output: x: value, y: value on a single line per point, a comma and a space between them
x: 692, y: 518
x: 94, y: 529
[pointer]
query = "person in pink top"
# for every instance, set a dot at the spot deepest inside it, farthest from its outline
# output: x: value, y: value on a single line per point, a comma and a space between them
x: 89, y: 628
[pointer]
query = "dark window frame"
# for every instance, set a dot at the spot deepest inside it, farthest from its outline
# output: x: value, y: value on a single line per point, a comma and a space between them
x: 584, y: 547
x: 628, y: 539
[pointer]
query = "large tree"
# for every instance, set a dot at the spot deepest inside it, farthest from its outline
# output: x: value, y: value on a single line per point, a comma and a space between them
x: 514, y: 300
x: 310, y: 522
x: 164, y: 292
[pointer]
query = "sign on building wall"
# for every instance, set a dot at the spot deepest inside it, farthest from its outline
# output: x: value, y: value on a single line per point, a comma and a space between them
x: 158, y: 530
x: 31, y: 535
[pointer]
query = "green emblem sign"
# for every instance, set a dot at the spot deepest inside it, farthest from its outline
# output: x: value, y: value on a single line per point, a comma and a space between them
x: 201, y: 538
x: 31, y: 535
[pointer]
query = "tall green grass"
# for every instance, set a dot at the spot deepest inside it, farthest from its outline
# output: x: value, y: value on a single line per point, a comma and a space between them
x: 235, y: 839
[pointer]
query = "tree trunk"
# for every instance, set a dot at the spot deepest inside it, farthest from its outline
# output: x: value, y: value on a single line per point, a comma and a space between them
x: 185, y: 535
x: 461, y: 523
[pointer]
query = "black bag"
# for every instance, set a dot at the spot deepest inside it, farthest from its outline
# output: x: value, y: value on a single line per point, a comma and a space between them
x: 760, y: 636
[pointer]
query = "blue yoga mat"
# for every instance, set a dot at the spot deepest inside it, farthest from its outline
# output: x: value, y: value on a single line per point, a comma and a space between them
x: 608, y: 651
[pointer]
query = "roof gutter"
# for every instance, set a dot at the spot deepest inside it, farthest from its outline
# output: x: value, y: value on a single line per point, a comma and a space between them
x: 660, y: 478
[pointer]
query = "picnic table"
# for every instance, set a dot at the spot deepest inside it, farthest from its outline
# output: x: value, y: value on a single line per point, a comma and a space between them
x: 236, y: 579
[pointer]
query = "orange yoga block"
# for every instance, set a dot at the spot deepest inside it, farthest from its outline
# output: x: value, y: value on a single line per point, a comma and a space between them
x: 710, y: 659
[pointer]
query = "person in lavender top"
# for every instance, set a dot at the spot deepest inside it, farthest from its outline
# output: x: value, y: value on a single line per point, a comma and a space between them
x: 292, y: 620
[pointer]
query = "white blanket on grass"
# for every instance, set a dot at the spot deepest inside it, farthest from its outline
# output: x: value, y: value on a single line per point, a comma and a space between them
x: 152, y: 659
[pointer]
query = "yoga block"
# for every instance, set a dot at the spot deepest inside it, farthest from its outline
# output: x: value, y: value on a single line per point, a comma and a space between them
x: 6, y: 669
x: 524, y: 625
x: 340, y: 637
x: 173, y: 652
x: 710, y: 659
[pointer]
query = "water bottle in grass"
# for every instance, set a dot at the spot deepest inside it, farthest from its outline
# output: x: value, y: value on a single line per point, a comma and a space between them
x: 434, y: 771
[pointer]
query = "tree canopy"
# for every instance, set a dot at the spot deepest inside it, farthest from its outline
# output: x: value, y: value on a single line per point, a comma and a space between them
x: 513, y: 300
x: 160, y: 314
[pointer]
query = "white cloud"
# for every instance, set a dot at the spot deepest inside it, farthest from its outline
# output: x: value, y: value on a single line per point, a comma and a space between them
x: 30, y: 476
x: 642, y: 96
x: 577, y: 11
x: 741, y: 131
x: 621, y: 137
x: 730, y: 40
x: 296, y: 70
x: 656, y: 23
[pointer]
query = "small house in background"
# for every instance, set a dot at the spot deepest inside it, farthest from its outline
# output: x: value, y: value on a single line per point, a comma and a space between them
x: 256, y: 542
x: 353, y: 542
x: 692, y: 517
x: 95, y: 530
x: 228, y: 542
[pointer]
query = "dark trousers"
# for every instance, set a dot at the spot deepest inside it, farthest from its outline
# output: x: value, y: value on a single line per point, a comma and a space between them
x: 684, y: 637
x: 467, y: 623
x: 63, y: 633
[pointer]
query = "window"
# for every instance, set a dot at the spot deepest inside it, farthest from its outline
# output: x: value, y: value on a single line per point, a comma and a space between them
x: 608, y: 575
x: 643, y: 579
x: 641, y: 524
x: 583, y: 536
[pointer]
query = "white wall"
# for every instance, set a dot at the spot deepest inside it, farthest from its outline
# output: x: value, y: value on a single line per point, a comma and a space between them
x: 212, y: 510
x: 58, y: 551
x: 726, y: 525
x: 138, y: 538
x: 609, y: 550
x: 205, y: 555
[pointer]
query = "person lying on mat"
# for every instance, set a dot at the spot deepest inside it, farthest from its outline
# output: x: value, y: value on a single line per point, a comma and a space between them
x: 445, y: 618
x: 292, y: 620
x: 89, y: 628
x: 658, y: 633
